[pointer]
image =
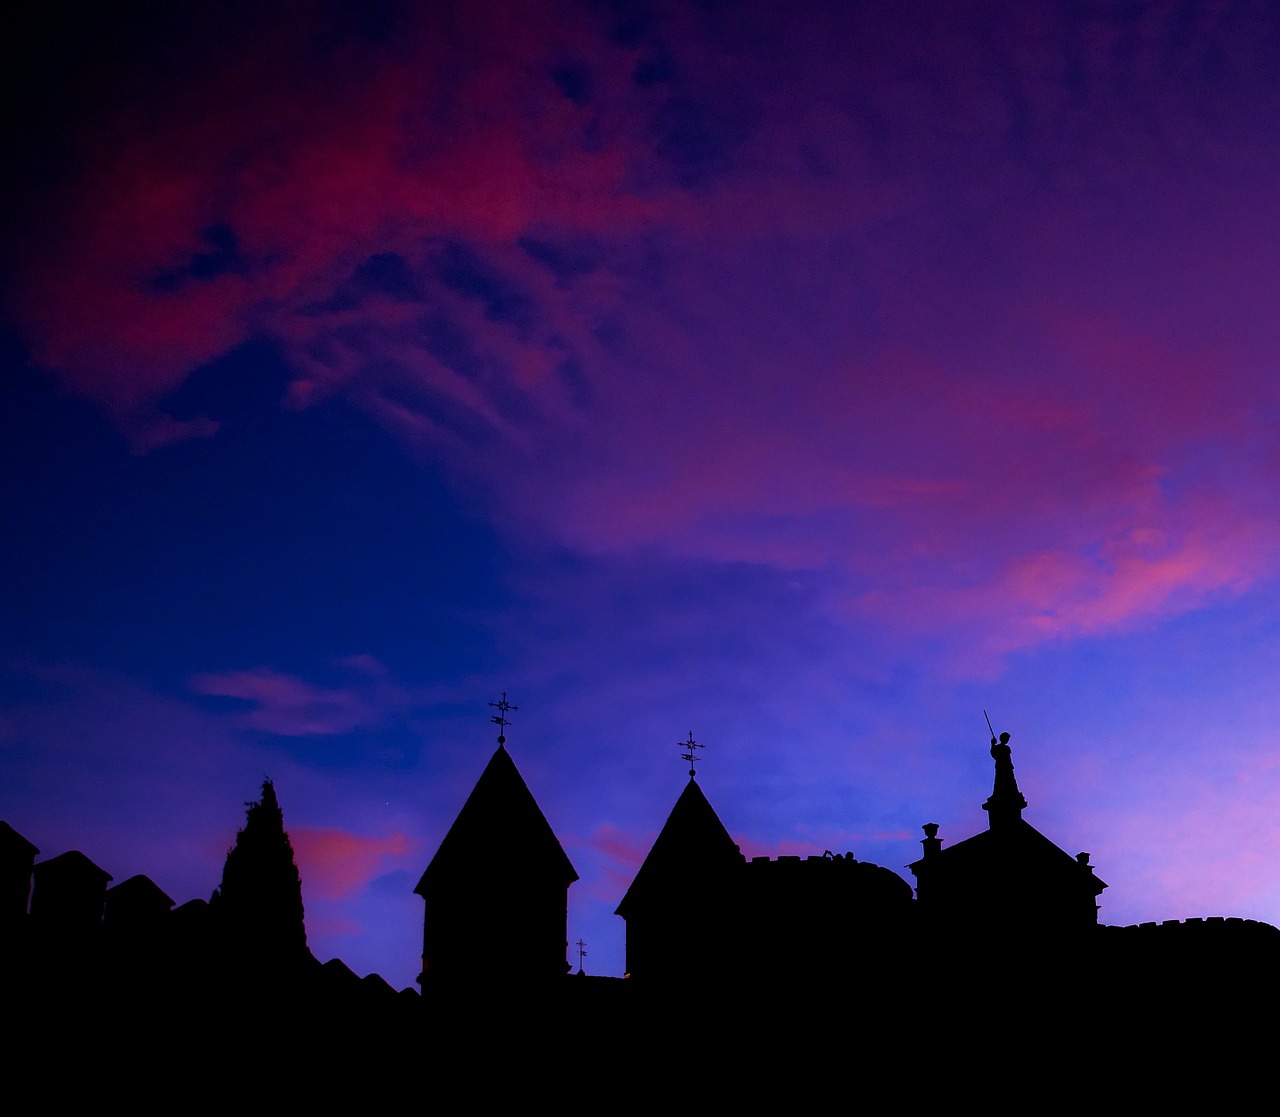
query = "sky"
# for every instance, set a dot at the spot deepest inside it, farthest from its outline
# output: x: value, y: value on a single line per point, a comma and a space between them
x: 810, y: 378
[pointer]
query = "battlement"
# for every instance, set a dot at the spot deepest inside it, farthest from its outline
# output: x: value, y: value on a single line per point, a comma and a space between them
x: 1195, y: 926
x: 826, y: 867
x: 794, y: 858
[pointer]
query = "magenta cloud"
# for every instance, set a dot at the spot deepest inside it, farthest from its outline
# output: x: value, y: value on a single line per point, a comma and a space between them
x: 337, y: 864
x: 819, y: 294
x: 291, y: 706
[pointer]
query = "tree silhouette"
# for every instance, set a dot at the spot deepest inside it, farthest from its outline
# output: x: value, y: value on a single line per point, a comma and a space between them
x: 259, y: 904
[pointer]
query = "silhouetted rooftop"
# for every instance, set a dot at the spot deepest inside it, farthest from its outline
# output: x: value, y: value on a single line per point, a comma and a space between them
x: 500, y: 820
x: 692, y: 838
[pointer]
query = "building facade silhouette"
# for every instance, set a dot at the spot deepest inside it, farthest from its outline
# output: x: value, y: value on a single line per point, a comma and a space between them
x: 1002, y: 925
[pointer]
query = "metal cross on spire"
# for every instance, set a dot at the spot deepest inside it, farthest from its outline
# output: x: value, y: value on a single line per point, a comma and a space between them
x: 500, y: 719
x: 582, y: 953
x: 688, y: 753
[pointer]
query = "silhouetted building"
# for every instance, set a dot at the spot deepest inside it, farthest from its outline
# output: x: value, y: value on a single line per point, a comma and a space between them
x: 497, y: 890
x: 1002, y: 940
x: 1010, y: 880
x: 136, y: 904
x: 17, y: 857
x: 69, y: 895
x: 698, y: 911
x: 686, y: 892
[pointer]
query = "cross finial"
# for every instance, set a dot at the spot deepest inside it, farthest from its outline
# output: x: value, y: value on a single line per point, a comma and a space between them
x: 582, y: 953
x: 500, y: 719
x: 688, y: 753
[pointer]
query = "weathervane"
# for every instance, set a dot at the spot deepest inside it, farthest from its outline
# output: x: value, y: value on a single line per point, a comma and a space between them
x: 500, y: 719
x: 582, y: 953
x: 688, y: 753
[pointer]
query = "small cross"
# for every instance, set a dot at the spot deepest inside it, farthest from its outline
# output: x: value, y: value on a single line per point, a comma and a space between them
x: 688, y: 753
x: 500, y: 719
x: 582, y: 953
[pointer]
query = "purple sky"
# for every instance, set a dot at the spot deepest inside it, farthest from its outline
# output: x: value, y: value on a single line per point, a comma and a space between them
x: 811, y: 377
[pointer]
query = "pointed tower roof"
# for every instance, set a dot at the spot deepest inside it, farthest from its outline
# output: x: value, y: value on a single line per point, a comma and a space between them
x: 500, y: 820
x: 1006, y: 803
x: 692, y: 840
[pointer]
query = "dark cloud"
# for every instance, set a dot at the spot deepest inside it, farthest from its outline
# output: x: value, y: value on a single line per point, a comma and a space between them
x: 462, y: 270
x: 573, y: 80
x: 698, y: 143
x: 453, y: 422
x: 631, y: 22
x: 244, y: 384
x: 575, y: 380
x: 654, y: 69
x: 445, y: 340
x: 378, y: 21
x: 566, y: 260
x: 220, y: 256
x: 388, y: 274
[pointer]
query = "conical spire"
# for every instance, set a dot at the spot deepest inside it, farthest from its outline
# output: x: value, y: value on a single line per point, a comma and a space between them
x: 692, y: 841
x: 500, y: 821
x: 1006, y: 802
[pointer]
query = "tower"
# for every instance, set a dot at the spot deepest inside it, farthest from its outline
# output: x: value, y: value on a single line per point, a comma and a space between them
x: 684, y: 896
x: 497, y: 890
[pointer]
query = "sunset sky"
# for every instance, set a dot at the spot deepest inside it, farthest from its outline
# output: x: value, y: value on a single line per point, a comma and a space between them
x: 810, y: 377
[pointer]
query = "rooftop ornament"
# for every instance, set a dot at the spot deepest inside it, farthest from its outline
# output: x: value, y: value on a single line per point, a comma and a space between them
x: 500, y: 719
x: 689, y: 746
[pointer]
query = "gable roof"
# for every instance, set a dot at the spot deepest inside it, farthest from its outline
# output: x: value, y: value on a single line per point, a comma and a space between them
x: 72, y: 866
x: 14, y: 845
x: 1017, y: 841
x: 138, y: 892
x: 500, y: 820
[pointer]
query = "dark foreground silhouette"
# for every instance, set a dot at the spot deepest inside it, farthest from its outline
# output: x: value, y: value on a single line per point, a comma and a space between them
x: 815, y: 981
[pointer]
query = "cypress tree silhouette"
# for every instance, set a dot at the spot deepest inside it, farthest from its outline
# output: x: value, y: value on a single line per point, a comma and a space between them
x: 259, y: 905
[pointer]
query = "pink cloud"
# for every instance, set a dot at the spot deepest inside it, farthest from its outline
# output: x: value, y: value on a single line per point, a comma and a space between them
x: 1194, y: 847
x: 336, y: 864
x: 869, y: 341
x: 1122, y: 486
x: 1183, y: 558
x: 624, y: 853
x: 296, y: 708
x: 315, y: 163
x: 620, y: 846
